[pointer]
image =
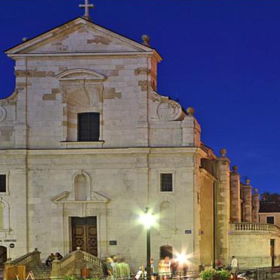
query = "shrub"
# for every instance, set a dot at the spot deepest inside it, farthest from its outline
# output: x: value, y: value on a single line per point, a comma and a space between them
x: 212, y: 274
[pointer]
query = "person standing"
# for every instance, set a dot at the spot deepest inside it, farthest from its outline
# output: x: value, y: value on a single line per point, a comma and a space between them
x: 167, y: 267
x: 110, y: 271
x: 234, y: 266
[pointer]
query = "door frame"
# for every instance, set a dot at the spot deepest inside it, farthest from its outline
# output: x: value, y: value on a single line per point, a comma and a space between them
x: 71, y: 222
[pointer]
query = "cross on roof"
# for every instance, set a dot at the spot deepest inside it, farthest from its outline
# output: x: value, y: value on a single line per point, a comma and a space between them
x: 86, y: 6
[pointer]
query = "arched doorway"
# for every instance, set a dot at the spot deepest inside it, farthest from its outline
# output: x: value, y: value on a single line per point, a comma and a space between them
x: 3, y: 255
x: 166, y: 251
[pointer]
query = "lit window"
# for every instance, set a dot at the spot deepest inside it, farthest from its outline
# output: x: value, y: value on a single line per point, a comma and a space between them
x: 166, y: 182
x: 88, y: 126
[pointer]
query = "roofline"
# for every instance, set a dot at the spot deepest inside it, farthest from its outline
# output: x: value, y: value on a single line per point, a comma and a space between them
x: 71, y: 54
x: 269, y: 212
x: 159, y: 57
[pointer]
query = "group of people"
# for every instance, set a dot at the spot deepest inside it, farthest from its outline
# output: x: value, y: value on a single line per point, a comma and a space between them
x: 52, y: 257
x: 166, y: 269
x: 116, y: 267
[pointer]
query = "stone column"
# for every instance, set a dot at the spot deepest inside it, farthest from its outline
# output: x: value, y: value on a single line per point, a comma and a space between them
x: 247, y: 202
x: 235, y: 203
x: 256, y: 206
x: 222, y: 208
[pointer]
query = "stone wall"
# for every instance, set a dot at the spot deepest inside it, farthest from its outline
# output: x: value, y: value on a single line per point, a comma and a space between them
x: 252, y: 248
x: 122, y: 183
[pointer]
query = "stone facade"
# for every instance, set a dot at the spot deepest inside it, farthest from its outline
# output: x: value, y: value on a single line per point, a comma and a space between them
x: 52, y: 177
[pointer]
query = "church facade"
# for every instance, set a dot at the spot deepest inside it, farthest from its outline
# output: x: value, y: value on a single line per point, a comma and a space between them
x: 87, y: 143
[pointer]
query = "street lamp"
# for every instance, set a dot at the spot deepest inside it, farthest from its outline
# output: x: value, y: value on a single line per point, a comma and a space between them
x: 148, y: 220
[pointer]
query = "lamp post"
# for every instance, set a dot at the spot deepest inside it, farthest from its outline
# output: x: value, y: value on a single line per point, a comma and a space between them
x: 147, y: 220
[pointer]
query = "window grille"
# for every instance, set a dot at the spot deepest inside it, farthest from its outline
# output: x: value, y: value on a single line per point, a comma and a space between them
x: 88, y: 126
x: 166, y: 182
x: 3, y: 183
x: 270, y: 220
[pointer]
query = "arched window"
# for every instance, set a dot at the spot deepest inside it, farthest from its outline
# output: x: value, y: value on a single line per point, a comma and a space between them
x: 2, y: 215
x: 166, y: 216
x: 81, y: 187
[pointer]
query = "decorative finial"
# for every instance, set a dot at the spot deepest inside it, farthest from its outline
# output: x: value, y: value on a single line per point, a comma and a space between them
x: 256, y: 191
x: 247, y: 181
x: 146, y: 40
x: 24, y: 39
x: 223, y: 152
x: 86, y: 6
x: 235, y: 168
x: 190, y: 111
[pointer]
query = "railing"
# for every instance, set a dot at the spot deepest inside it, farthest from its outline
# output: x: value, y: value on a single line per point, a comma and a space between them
x: 254, y: 227
x: 22, y: 264
x: 263, y: 273
x: 75, y: 264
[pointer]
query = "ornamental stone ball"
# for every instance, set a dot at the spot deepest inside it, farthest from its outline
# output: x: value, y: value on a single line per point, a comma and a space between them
x: 146, y: 40
x: 235, y: 168
x: 247, y: 181
x: 190, y: 111
x: 223, y: 152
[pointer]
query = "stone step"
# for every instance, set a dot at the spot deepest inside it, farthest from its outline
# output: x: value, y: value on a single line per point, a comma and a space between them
x: 42, y: 272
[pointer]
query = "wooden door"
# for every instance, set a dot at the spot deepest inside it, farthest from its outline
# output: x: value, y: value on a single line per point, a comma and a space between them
x: 3, y: 255
x: 84, y: 234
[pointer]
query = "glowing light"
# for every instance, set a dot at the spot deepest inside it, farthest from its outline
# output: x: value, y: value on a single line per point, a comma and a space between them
x: 148, y: 219
x: 182, y: 258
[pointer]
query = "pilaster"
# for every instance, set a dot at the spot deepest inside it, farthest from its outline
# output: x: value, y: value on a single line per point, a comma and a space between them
x: 223, y: 207
x: 235, y: 203
x: 256, y: 206
x: 247, y: 202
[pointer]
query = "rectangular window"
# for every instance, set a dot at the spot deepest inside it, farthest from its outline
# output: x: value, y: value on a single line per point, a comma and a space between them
x: 3, y: 181
x: 88, y: 126
x: 270, y: 220
x: 166, y: 182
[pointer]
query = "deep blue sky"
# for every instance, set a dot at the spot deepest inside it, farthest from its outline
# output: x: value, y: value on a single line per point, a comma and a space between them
x: 221, y: 57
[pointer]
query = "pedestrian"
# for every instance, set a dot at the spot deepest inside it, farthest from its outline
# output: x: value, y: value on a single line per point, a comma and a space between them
x: 161, y: 269
x: 153, y: 270
x: 174, y: 267
x: 234, y: 266
x: 110, y: 269
x: 58, y: 256
x: 50, y: 259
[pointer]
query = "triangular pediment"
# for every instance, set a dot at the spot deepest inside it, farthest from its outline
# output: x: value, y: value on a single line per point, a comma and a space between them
x: 79, y: 36
x: 65, y: 197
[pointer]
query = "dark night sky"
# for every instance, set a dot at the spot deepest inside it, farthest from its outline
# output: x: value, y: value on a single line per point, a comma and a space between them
x: 221, y: 57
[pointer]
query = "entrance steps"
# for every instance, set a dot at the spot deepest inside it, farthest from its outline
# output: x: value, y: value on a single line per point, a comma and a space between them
x: 42, y: 272
x: 78, y: 263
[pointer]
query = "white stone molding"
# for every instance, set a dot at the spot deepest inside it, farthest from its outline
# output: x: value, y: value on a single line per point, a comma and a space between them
x: 6, y: 215
x: 88, y: 187
x: 80, y: 74
x: 167, y: 109
x: 166, y: 171
x: 166, y: 231
x: 3, y: 113
x: 82, y: 91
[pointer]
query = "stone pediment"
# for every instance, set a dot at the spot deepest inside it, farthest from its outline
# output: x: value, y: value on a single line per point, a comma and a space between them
x: 76, y: 37
x: 65, y: 197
